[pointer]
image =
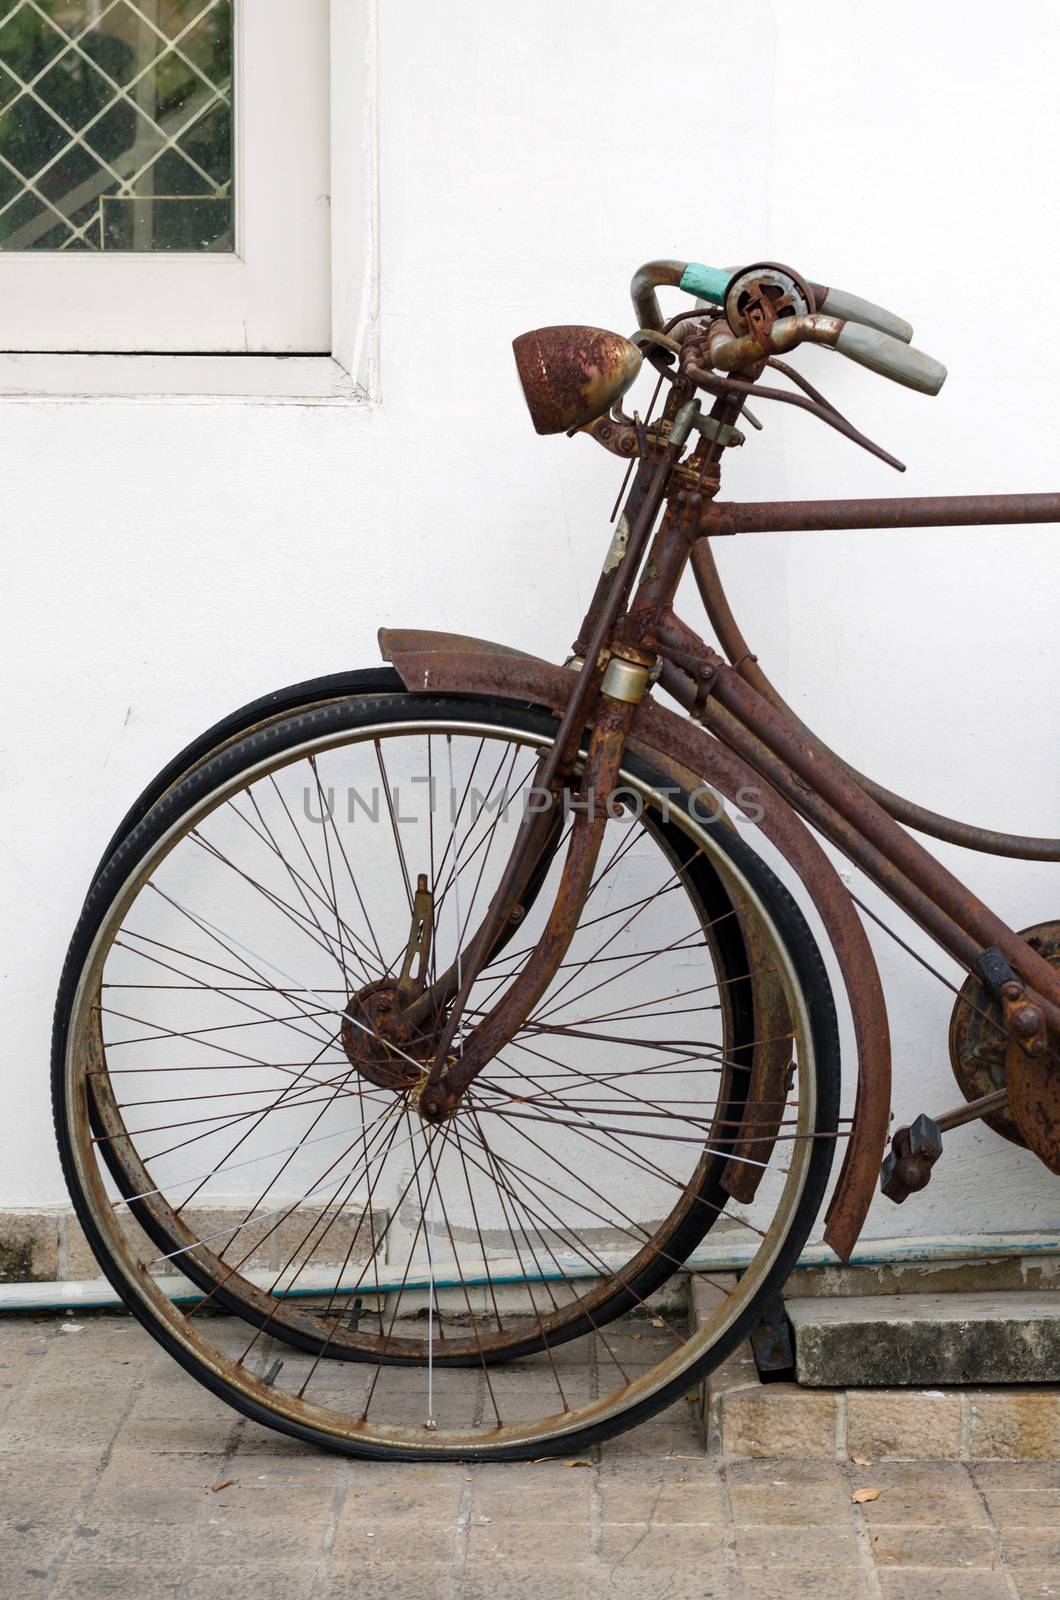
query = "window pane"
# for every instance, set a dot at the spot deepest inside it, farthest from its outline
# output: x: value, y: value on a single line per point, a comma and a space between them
x: 116, y: 125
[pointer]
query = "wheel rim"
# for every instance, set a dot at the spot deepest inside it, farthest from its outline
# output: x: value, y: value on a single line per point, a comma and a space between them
x: 298, y: 1409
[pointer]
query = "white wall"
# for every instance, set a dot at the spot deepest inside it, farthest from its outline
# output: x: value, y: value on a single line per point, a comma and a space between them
x: 166, y: 561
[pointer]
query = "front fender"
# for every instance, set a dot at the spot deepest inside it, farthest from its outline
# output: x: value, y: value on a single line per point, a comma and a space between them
x: 445, y: 663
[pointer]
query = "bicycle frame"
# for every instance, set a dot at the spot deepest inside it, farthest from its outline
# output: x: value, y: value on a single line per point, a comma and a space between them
x: 741, y: 735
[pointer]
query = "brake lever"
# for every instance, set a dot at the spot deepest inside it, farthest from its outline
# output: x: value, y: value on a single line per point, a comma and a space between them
x: 739, y: 386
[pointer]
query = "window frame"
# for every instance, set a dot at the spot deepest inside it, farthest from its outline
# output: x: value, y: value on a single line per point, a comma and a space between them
x: 344, y: 363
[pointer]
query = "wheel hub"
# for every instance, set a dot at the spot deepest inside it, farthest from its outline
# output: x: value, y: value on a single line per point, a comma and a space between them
x: 382, y: 1043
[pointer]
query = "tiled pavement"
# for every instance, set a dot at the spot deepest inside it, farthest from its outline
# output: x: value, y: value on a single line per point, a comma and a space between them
x: 111, y: 1458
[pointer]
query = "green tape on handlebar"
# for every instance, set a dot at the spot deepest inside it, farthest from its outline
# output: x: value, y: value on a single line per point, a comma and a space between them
x: 707, y: 283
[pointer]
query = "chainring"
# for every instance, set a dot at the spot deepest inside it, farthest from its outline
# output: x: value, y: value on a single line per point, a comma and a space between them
x: 978, y: 1044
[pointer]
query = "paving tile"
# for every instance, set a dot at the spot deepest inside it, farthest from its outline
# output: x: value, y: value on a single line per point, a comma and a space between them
x: 87, y: 1434
x: 779, y: 1420
x: 1032, y: 1547
x: 910, y: 1546
x: 920, y: 1584
x: 225, y: 1543
x: 524, y: 1541
x: 638, y: 1545
x: 85, y: 1580
x: 1018, y: 1423
x: 526, y: 1475
x: 1020, y: 1474
x: 672, y: 1432
x: 922, y: 1493
x: 414, y: 1581
x: 797, y: 1547
x: 794, y: 1494
x: 175, y: 1435
x: 433, y: 1504
x: 524, y: 1581
x: 36, y: 1541
x: 669, y: 1521
x: 763, y: 1583
x: 1037, y: 1583
x: 399, y: 1541
x: 250, y: 1582
x: 642, y: 1499
x: 543, y: 1503
x: 248, y: 1502
x: 885, y: 1422
x: 256, y: 1440
x: 1021, y: 1494
x: 664, y: 1583
x: 794, y: 1472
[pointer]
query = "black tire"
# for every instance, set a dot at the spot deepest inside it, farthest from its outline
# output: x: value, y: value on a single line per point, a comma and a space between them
x: 274, y: 732
x: 294, y: 697
x: 268, y: 712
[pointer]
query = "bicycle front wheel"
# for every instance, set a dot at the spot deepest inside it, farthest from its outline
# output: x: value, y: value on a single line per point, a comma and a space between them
x: 224, y: 1072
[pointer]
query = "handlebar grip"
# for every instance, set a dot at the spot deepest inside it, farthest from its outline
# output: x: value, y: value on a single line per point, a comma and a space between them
x: 706, y: 283
x: 852, y: 308
x: 891, y: 358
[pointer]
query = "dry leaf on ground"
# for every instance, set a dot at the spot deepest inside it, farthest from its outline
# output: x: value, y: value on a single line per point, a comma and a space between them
x: 860, y: 1496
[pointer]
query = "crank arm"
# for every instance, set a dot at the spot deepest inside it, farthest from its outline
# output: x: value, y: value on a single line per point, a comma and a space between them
x: 972, y: 1110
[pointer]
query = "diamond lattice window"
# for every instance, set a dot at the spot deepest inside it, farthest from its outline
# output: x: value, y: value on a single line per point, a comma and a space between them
x: 116, y: 125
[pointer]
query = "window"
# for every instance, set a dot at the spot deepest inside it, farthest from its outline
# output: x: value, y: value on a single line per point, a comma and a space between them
x: 116, y: 126
x: 165, y: 176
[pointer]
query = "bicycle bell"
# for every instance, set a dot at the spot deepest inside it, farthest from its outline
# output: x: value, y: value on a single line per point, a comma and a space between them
x: 761, y: 287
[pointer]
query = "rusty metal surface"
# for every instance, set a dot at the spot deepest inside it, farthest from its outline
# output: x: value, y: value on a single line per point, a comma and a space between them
x: 570, y: 375
x: 949, y: 911
x: 930, y: 511
x: 1034, y: 1100
x: 726, y: 767
x: 405, y: 641
x: 671, y: 741
x: 482, y: 1042
x: 967, y: 834
x: 977, y: 1040
x: 772, y: 1067
x: 716, y: 383
x: 745, y: 729
x: 651, y: 276
x: 760, y: 293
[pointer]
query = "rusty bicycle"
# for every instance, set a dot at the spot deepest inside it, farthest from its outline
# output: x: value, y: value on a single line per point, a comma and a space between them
x: 435, y: 1036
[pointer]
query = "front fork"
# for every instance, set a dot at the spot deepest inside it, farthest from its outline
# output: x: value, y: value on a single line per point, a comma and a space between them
x: 444, y: 1088
x: 619, y: 652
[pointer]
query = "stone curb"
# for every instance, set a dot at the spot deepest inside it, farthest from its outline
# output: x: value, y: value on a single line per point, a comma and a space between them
x: 744, y: 1417
x: 46, y: 1246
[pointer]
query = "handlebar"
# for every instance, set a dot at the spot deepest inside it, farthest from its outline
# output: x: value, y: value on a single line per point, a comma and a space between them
x: 867, y: 346
x: 869, y: 334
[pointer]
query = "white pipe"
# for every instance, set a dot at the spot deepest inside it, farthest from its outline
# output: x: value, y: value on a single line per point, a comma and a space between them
x: 722, y: 1255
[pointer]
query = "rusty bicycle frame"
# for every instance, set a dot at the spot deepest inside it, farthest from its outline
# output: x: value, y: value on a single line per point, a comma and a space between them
x: 739, y: 733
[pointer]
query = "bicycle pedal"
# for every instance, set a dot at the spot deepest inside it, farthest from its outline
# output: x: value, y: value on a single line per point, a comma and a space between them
x: 908, y: 1164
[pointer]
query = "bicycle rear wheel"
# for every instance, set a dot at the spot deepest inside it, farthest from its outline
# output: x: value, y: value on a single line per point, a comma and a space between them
x: 534, y: 1215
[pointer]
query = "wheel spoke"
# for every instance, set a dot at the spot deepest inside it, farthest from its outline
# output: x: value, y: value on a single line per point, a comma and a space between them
x: 255, y: 1067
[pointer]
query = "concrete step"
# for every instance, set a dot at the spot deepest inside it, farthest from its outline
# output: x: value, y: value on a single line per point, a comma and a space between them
x: 926, y: 1339
x: 742, y: 1416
